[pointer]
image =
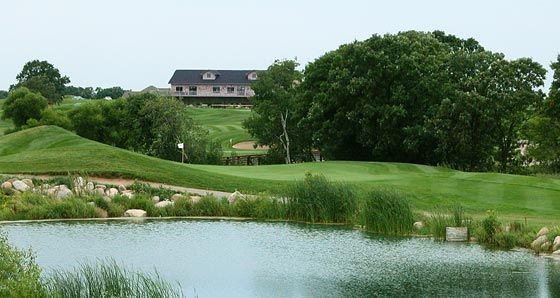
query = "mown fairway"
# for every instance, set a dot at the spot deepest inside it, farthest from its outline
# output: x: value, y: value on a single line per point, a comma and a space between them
x: 224, y: 126
x: 44, y: 150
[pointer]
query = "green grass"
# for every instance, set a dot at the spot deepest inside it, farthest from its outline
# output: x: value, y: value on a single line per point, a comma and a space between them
x: 225, y: 125
x: 53, y: 150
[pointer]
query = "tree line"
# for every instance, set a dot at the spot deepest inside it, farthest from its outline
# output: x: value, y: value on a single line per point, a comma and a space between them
x: 419, y: 97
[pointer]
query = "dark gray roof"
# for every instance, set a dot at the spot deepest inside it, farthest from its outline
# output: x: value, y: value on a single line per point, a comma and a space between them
x: 194, y: 76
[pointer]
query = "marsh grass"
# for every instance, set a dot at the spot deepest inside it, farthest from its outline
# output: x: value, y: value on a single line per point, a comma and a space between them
x: 317, y: 199
x: 107, y: 279
x: 388, y: 212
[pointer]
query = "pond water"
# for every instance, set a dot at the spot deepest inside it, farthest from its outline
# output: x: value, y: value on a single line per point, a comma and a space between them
x: 256, y: 259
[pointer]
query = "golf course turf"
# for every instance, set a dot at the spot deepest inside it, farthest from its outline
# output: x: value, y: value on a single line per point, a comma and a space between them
x: 52, y: 150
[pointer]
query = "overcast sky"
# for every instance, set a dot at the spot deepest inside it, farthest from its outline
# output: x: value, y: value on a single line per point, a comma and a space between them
x: 136, y: 43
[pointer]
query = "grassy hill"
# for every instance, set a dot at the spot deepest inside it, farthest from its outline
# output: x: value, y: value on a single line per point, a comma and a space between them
x: 50, y: 149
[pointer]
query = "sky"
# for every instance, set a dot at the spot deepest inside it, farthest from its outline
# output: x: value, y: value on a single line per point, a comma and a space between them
x: 137, y: 43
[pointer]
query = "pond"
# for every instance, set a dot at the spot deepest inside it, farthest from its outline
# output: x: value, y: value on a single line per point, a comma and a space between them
x: 259, y: 259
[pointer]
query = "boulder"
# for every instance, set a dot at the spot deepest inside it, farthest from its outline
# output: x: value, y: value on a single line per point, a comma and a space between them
x: 62, y: 192
x: 111, y: 192
x: 195, y: 199
x: 102, y: 213
x: 101, y: 186
x: 20, y: 186
x: 99, y: 191
x: 90, y: 187
x: 135, y: 213
x: 79, y: 183
x: 536, y: 245
x: 456, y: 234
x: 556, y: 243
x: 155, y: 199
x: 542, y: 232
x: 545, y: 246
x: 28, y: 182
x: 418, y: 225
x: 107, y: 199
x: 122, y: 188
x: 164, y: 204
x: 176, y: 196
x: 128, y: 194
x: 556, y: 252
x: 7, y: 185
x: 235, y: 196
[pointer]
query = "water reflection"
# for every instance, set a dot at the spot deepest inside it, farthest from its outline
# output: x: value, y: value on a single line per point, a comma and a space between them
x: 251, y: 259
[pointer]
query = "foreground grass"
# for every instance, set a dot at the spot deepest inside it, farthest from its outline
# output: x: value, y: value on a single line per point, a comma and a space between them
x: 51, y: 150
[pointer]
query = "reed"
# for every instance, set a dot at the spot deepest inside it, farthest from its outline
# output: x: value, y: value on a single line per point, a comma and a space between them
x: 387, y: 212
x: 316, y: 199
x: 107, y: 279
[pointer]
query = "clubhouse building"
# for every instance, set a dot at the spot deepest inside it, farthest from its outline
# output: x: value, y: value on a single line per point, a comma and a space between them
x: 213, y: 86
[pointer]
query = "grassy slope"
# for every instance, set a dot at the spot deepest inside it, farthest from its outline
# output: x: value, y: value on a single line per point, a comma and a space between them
x: 225, y: 124
x: 54, y: 150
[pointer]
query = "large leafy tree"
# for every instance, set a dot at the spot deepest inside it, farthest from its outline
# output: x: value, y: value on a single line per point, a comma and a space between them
x: 276, y: 112
x: 42, y: 77
x: 23, y: 105
x: 370, y: 99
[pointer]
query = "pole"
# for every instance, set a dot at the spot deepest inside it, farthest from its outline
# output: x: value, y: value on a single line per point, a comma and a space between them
x: 182, y: 155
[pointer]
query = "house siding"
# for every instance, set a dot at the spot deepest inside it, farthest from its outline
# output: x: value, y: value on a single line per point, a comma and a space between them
x: 206, y: 90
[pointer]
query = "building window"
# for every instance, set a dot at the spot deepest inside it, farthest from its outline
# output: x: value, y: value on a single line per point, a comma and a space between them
x: 241, y: 90
x: 216, y: 89
x: 179, y: 89
x: 230, y: 90
x: 192, y: 90
x: 208, y: 75
x: 254, y: 76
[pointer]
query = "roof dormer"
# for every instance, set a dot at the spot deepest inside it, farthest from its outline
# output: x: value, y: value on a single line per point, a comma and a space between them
x: 210, y: 75
x: 252, y: 76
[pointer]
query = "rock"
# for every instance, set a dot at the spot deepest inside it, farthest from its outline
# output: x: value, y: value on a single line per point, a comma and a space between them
x: 62, y: 192
x: 195, y: 199
x: 542, y: 232
x: 102, y: 213
x: 536, y: 245
x: 107, y: 199
x: 556, y: 252
x: 90, y: 187
x: 128, y: 194
x: 101, y: 186
x: 79, y: 183
x: 235, y: 196
x: 7, y: 185
x: 11, y: 180
x: 155, y: 199
x: 456, y: 234
x: 91, y: 203
x: 176, y: 196
x: 112, y: 192
x: 545, y: 246
x: 122, y: 188
x: 99, y: 191
x: 164, y: 204
x: 135, y: 213
x: 556, y: 243
x: 20, y: 186
x: 418, y: 225
x: 28, y: 182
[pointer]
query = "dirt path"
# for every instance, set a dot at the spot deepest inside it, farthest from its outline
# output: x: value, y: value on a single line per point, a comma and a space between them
x: 127, y: 182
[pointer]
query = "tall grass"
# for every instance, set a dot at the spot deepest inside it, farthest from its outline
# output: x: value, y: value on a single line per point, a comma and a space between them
x: 316, y: 199
x: 108, y: 279
x: 387, y: 212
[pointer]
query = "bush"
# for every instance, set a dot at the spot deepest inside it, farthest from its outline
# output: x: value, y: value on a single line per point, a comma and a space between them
x: 316, y: 199
x: 22, y: 105
x: 210, y: 206
x: 488, y: 228
x: 387, y: 212
x: 437, y: 223
x: 19, y: 274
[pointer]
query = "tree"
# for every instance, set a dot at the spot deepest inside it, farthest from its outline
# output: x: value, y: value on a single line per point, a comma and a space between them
x: 42, y: 77
x: 275, y: 114
x: 113, y: 92
x: 3, y: 94
x: 86, y: 92
x: 22, y: 105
